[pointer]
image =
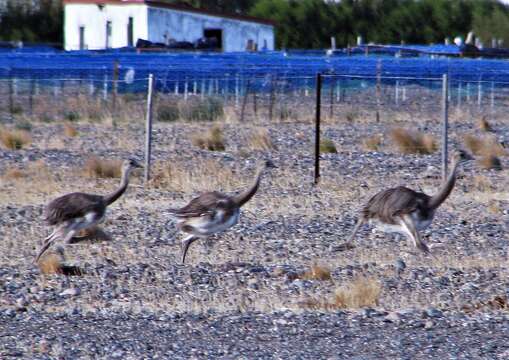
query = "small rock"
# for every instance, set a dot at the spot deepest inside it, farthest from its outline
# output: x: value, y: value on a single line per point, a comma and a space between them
x: 433, y: 313
x: 70, y: 292
x: 428, y: 324
x: 392, y: 317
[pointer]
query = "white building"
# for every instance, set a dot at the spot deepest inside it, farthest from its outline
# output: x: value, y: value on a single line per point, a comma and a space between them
x: 101, y: 24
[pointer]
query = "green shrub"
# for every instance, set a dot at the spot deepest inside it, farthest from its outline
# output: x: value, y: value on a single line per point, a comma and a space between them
x: 208, y: 109
x: 47, y: 118
x: 167, y: 112
x: 71, y: 116
x: 16, y: 110
x: 327, y: 146
x: 23, y: 125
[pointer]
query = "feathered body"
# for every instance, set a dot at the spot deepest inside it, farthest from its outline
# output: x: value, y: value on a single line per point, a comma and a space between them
x: 212, y: 212
x: 387, y: 207
x: 73, y: 212
x: 72, y: 206
x: 406, y: 211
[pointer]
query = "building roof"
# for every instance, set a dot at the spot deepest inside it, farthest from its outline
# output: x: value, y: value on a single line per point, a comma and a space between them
x: 175, y: 6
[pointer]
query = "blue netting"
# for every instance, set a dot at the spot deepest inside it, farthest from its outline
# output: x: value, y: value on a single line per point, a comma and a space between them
x: 297, y: 68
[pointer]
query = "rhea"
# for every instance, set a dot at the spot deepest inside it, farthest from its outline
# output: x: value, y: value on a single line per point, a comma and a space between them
x: 73, y: 212
x: 213, y: 212
x: 405, y: 211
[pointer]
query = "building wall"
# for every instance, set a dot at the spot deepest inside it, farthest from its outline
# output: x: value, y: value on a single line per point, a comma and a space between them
x: 189, y: 26
x: 94, y: 19
x: 157, y: 25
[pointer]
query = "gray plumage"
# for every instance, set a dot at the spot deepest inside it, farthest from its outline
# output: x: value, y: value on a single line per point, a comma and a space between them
x: 406, y: 211
x: 73, y: 212
x: 212, y: 212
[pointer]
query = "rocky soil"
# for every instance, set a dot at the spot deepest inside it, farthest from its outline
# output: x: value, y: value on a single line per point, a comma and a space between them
x: 252, y: 291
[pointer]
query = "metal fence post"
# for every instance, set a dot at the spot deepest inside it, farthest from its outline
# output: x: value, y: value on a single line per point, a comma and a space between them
x: 445, y: 125
x: 317, y: 126
x: 378, y: 88
x: 148, y: 129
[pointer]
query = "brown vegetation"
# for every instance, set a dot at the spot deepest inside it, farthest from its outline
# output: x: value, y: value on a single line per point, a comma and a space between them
x: 14, y: 173
x: 484, y: 125
x: 260, y: 140
x: 482, y: 183
x: 413, y: 142
x: 316, y: 272
x: 486, y: 145
x: 489, y: 162
x: 372, y: 143
x: 100, y: 168
x: 50, y: 264
x: 69, y: 130
x: 361, y: 292
x: 205, y: 175
x: 212, y: 140
x: 15, y: 139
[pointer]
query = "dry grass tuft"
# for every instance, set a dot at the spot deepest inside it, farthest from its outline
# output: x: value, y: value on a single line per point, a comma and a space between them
x: 409, y: 142
x: 475, y: 145
x: 260, y: 140
x: 498, y: 302
x: 361, y: 292
x: 204, y: 175
x: 213, y: 140
x: 482, y: 183
x: 495, y: 207
x: 487, y: 145
x: 317, y: 272
x: 489, y: 162
x: 327, y: 146
x: 50, y: 264
x: 484, y: 125
x: 69, y: 130
x: 15, y: 139
x: 372, y: 143
x: 99, y: 168
x: 14, y: 174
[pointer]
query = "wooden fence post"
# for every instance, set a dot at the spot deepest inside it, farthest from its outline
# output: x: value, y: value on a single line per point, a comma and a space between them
x: 445, y: 125
x: 148, y: 129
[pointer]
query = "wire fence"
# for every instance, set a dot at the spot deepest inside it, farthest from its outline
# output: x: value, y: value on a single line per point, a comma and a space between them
x: 375, y: 103
x: 245, y: 99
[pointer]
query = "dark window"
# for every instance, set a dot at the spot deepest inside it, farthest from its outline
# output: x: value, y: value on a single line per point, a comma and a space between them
x: 130, y: 37
x: 214, y: 37
x: 82, y: 38
x: 108, y: 34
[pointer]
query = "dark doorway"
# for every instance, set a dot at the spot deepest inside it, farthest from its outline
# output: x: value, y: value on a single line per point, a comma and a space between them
x: 108, y: 34
x: 214, y: 37
x: 130, y: 38
x: 82, y: 38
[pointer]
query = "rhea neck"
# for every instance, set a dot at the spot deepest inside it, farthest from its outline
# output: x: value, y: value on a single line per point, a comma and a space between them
x: 245, y: 196
x: 111, y: 198
x: 444, y: 192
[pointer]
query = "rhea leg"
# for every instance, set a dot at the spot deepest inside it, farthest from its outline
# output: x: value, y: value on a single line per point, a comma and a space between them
x: 348, y: 244
x: 185, y: 245
x: 408, y: 224
x: 59, y: 231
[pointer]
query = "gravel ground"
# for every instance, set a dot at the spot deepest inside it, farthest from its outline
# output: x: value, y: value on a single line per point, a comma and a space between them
x: 248, y: 293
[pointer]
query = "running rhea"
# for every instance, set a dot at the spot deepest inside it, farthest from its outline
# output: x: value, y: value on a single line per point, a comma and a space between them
x: 213, y: 212
x: 73, y: 212
x: 405, y: 211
